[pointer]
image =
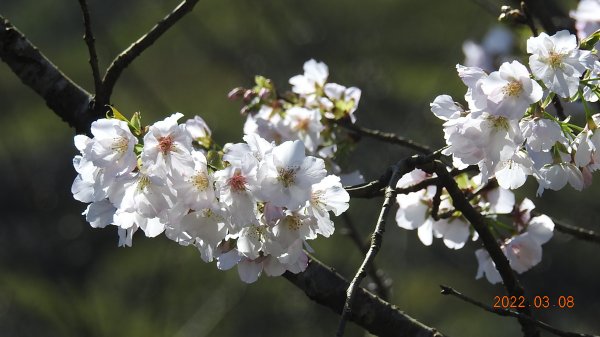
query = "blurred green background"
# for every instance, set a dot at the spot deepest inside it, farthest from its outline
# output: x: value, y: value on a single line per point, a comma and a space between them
x: 60, y: 277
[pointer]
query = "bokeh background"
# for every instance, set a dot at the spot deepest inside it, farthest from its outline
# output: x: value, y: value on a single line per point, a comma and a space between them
x: 60, y: 277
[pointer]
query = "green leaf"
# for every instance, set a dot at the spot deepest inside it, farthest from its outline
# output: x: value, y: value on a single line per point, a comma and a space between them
x: 116, y: 114
x: 589, y: 42
x: 136, y: 123
x: 215, y: 160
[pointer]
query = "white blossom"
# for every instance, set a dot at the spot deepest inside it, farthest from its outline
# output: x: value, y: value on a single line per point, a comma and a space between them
x: 557, y: 61
x: 556, y: 176
x: 512, y: 172
x: 195, y: 184
x: 511, y: 90
x: 287, y: 175
x: 304, y: 124
x: 314, y: 77
x: 542, y: 134
x: 167, y: 147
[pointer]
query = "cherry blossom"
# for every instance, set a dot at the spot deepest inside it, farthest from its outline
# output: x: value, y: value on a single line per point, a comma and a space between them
x: 557, y: 61
x: 511, y: 90
x: 287, y: 175
x: 167, y: 147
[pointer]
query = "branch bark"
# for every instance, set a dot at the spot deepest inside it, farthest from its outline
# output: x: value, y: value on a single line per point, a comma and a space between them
x: 328, y: 288
x: 63, y: 96
x: 551, y: 16
x: 511, y: 283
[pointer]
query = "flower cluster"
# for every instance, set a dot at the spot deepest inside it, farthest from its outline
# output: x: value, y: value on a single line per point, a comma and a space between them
x: 253, y: 204
x: 310, y: 113
x: 507, y: 128
x: 521, y: 242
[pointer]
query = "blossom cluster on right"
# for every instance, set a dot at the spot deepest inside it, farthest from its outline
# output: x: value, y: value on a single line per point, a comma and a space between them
x: 506, y: 127
x: 510, y: 128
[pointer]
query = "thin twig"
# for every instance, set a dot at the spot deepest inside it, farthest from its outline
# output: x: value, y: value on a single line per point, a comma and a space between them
x: 387, y: 137
x: 135, y: 49
x: 401, y: 168
x: 88, y: 37
x: 511, y: 313
x: 511, y: 283
x: 376, y: 188
x: 375, y: 274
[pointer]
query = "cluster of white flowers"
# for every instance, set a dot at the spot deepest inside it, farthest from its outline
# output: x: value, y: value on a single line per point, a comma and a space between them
x: 308, y: 113
x: 255, y: 208
x: 521, y: 241
x: 506, y: 129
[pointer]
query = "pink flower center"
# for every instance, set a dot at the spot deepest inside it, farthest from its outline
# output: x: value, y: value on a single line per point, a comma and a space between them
x: 237, y: 182
x: 165, y: 144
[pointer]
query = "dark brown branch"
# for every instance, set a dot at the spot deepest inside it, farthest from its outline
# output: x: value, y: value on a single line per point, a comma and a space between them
x: 435, y: 207
x: 376, y: 275
x: 560, y: 112
x: 328, y: 288
x: 511, y: 313
x: 69, y: 101
x: 386, y: 137
x: 551, y: 16
x: 511, y: 283
x: 370, y: 189
x: 128, y: 55
x: 88, y: 37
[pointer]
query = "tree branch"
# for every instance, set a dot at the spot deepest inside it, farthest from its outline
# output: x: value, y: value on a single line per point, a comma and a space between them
x: 328, y: 288
x: 507, y: 312
x: 552, y: 17
x: 68, y: 100
x: 88, y: 37
x: 128, y: 55
x: 376, y: 275
x: 385, y: 137
x: 511, y: 283
x: 398, y: 170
